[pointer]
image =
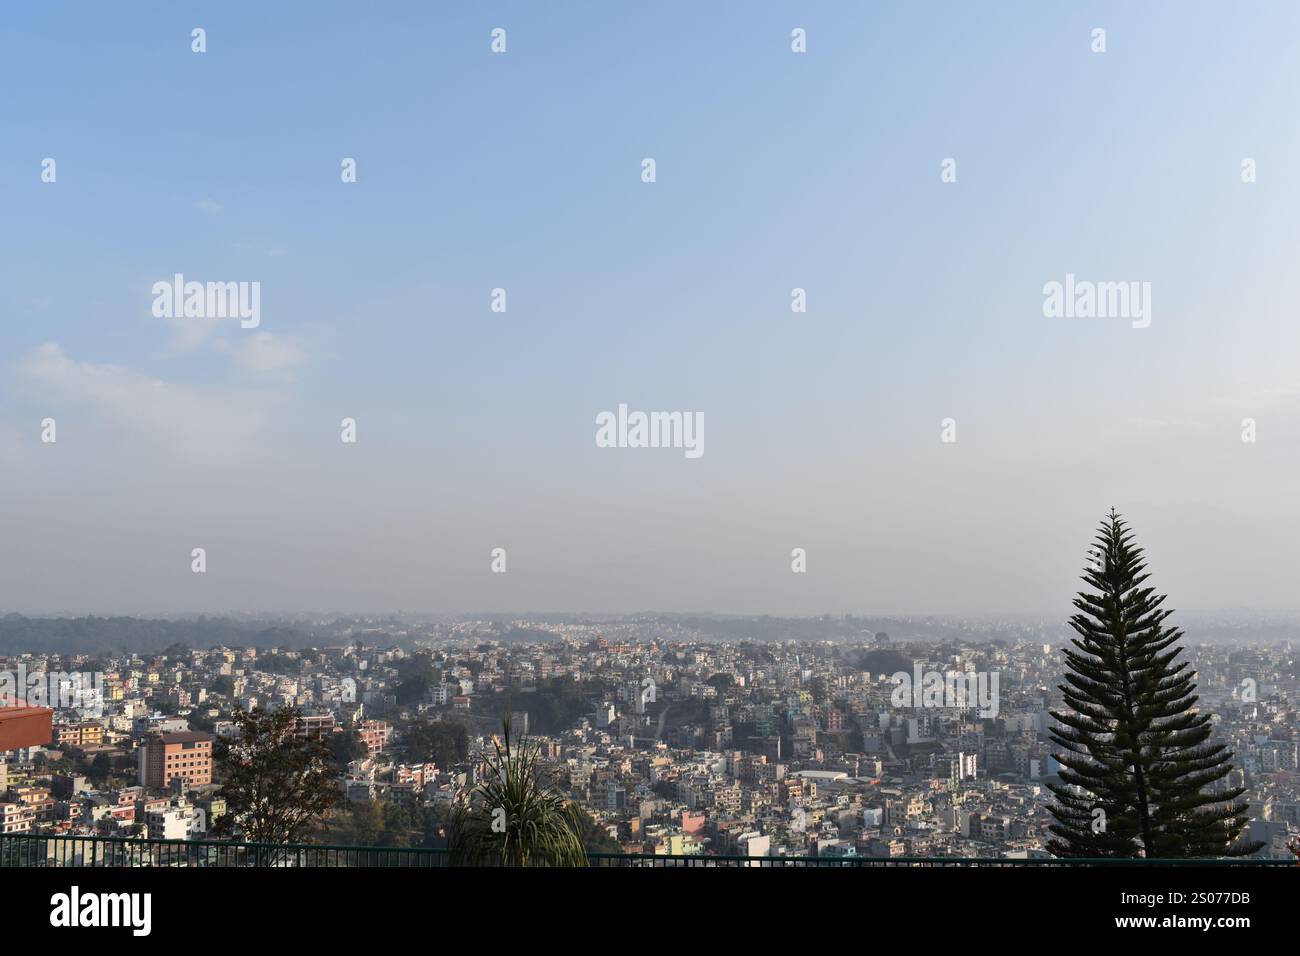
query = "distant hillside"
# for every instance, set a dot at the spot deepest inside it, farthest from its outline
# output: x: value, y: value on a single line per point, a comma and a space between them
x: 99, y: 635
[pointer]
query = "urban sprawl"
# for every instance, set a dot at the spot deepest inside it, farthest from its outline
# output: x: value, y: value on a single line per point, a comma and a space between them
x: 673, y: 741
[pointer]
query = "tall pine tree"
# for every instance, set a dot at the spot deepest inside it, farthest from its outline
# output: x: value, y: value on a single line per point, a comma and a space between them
x: 1139, y: 775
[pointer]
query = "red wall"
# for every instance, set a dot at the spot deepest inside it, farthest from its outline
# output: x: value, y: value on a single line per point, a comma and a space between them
x: 24, y: 727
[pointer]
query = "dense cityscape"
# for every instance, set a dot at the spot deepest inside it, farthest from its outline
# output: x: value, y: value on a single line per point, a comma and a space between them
x: 676, y: 736
x: 363, y: 551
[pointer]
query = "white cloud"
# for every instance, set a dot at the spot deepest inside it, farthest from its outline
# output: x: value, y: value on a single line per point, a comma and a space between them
x: 210, y: 206
x: 188, y: 334
x: 264, y: 352
x: 200, y: 420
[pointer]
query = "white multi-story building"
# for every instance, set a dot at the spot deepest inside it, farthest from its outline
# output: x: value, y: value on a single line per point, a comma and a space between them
x: 16, y: 818
x: 173, y: 823
x: 753, y: 843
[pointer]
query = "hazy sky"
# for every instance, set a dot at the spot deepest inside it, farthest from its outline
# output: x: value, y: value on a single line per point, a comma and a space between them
x: 523, y: 170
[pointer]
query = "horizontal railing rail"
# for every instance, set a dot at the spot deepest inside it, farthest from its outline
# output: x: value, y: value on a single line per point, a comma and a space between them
x: 699, y: 859
x: 40, y: 850
x: 100, y: 851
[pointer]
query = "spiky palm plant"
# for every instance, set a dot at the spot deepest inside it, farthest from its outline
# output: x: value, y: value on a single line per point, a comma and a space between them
x: 515, y: 817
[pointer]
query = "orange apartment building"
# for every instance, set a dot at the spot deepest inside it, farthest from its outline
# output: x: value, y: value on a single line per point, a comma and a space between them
x: 166, y: 757
x: 89, y: 734
x: 374, y: 734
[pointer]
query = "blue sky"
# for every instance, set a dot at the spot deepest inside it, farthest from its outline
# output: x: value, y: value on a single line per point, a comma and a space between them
x: 522, y: 170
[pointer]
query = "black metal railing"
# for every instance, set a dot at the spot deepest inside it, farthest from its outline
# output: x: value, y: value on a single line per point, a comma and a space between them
x: 867, y: 862
x: 25, y: 850
x: 97, y: 851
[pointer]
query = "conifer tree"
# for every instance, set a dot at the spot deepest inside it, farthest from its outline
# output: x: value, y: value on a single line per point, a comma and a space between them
x: 1139, y: 774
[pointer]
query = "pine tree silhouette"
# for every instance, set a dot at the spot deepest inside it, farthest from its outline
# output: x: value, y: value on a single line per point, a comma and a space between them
x: 1140, y: 775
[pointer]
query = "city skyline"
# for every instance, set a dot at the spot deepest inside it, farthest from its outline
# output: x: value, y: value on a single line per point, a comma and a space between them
x: 675, y: 744
x: 482, y: 435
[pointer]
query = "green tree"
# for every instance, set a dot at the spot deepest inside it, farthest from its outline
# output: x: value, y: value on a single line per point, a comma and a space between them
x: 367, y: 823
x: 558, y: 703
x: 1140, y: 777
x: 515, y: 817
x: 99, y: 769
x: 279, y: 783
x: 398, y: 824
x: 435, y: 822
x: 595, y: 838
x: 441, y: 741
x: 176, y: 654
x: 347, y: 746
x: 416, y: 675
